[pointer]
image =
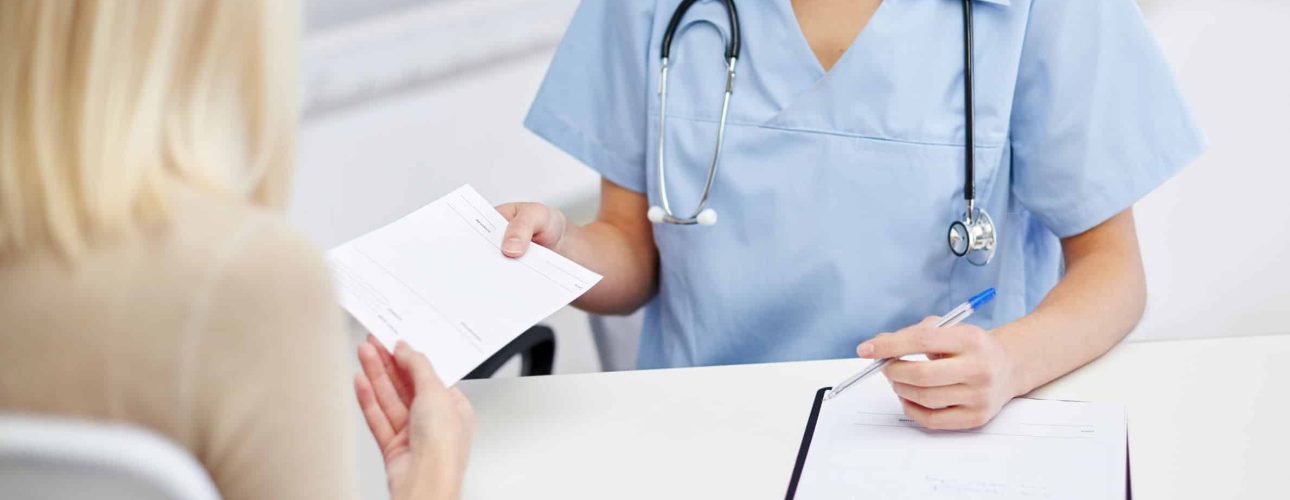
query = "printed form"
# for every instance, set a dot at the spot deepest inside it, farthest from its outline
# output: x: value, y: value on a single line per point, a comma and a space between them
x: 437, y: 280
x: 865, y: 447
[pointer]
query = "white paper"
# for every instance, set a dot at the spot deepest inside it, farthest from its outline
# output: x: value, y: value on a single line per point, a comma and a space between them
x: 864, y: 447
x: 437, y: 280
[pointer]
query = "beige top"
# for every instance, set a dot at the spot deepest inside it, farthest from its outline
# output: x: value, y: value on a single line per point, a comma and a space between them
x: 220, y: 332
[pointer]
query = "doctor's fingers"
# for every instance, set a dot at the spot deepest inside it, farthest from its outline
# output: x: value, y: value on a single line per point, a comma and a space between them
x: 530, y: 222
x: 949, y: 419
x: 940, y: 397
x: 382, y: 387
x: 920, y: 339
x: 937, y: 373
x: 930, y: 322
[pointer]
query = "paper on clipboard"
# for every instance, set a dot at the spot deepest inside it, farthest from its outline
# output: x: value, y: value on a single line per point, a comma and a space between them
x: 863, y: 446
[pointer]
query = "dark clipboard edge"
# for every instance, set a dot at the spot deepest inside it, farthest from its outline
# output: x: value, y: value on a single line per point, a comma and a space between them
x: 810, y: 433
x: 806, y: 442
x: 1128, y: 468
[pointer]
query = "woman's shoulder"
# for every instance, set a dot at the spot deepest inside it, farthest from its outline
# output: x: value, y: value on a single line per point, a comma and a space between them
x: 253, y: 259
x: 266, y: 355
x: 209, y: 251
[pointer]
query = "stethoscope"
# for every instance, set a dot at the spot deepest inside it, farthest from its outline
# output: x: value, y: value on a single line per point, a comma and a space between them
x: 973, y: 236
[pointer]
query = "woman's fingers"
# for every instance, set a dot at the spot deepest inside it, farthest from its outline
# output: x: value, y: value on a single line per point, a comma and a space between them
x: 382, y: 386
x: 940, y: 397
x: 463, y: 407
x: 424, y: 378
x: 377, y: 422
x: 396, y: 376
x: 953, y: 418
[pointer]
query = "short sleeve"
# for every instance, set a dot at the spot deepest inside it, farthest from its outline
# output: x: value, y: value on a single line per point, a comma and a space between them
x: 593, y: 102
x: 1098, y: 120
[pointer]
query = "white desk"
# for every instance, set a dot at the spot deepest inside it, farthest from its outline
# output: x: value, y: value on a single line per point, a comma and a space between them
x: 1207, y: 419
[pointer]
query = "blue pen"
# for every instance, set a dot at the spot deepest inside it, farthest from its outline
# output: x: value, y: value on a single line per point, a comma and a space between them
x: 954, y: 317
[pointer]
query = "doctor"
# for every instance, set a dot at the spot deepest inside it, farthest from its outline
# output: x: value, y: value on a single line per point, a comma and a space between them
x: 842, y: 165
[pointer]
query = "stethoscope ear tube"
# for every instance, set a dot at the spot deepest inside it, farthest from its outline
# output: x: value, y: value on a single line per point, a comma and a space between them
x: 732, y: 14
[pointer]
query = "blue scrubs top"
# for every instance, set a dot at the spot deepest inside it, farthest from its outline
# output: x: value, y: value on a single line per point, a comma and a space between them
x: 836, y: 188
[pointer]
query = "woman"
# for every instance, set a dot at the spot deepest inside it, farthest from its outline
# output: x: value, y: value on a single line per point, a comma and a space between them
x: 147, y: 273
x: 842, y: 166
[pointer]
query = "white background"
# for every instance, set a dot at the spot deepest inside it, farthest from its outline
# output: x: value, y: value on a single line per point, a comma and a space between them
x: 401, y: 111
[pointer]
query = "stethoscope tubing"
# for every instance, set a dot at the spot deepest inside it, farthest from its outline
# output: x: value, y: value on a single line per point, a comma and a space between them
x: 969, y: 113
x: 976, y: 228
x: 716, y: 154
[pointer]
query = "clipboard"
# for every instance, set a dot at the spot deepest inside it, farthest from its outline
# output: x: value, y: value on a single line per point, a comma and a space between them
x: 806, y: 442
x: 809, y: 433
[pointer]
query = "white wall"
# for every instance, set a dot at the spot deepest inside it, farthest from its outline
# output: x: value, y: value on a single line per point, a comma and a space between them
x: 365, y: 166
x: 1215, y: 239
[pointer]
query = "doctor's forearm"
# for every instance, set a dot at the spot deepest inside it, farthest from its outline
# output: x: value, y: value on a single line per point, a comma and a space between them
x: 620, y: 246
x: 1095, y: 305
x: 629, y: 267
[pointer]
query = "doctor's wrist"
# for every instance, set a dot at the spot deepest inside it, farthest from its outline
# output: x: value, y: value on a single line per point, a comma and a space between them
x: 1015, y: 372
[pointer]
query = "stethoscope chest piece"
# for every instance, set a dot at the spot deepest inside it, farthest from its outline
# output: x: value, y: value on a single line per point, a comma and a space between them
x: 973, y: 237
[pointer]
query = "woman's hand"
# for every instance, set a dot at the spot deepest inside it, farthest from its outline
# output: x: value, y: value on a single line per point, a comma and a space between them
x: 533, y: 222
x: 966, y: 382
x: 422, y: 428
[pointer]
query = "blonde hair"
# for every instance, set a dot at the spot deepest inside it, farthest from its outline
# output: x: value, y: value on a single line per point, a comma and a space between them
x: 107, y: 105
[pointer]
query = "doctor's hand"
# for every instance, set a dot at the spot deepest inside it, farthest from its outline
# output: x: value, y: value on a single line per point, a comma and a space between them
x: 423, y: 429
x: 533, y: 222
x: 966, y: 382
